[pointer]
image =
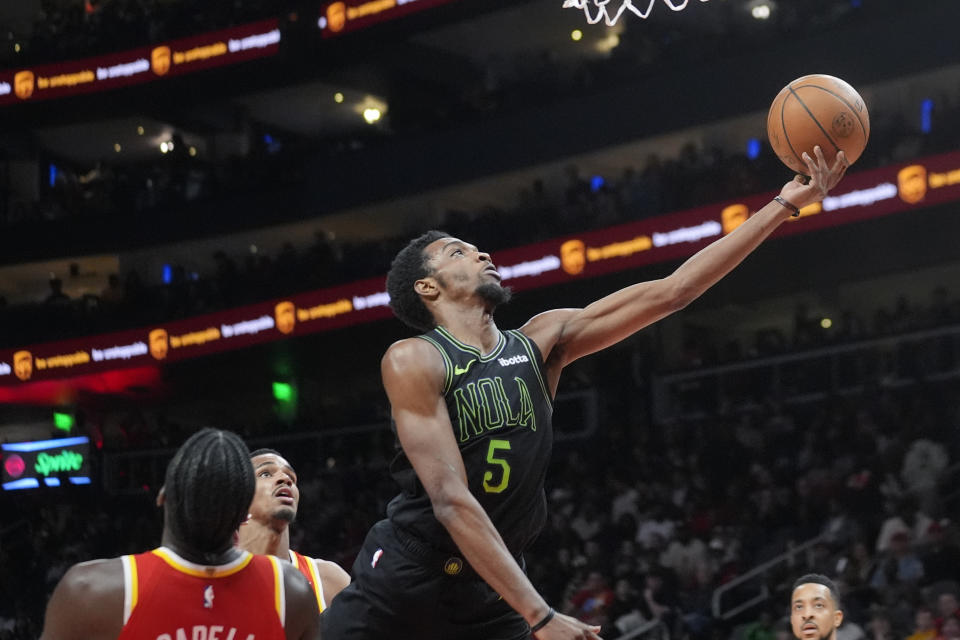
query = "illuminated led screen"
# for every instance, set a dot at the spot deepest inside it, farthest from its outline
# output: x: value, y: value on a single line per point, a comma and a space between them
x: 49, y: 463
x: 136, y: 66
x: 893, y: 190
x: 344, y: 16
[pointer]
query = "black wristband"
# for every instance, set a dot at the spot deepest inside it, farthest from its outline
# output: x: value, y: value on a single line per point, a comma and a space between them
x: 546, y: 619
x: 796, y: 210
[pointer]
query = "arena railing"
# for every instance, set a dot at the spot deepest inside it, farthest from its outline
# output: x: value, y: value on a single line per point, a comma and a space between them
x: 813, y: 375
x: 651, y: 629
x: 135, y: 472
x: 753, y: 587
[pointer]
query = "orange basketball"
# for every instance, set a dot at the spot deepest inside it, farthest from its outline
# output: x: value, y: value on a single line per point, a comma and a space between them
x: 817, y: 110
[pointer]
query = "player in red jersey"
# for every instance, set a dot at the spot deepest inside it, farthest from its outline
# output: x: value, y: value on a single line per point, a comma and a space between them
x: 267, y: 529
x: 197, y: 584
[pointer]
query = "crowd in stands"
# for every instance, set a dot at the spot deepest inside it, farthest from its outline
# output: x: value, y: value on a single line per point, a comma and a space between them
x: 69, y: 29
x: 578, y: 202
x: 646, y: 520
x: 112, y: 188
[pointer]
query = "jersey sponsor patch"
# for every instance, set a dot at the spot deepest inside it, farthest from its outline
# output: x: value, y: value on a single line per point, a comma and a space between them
x: 506, y: 362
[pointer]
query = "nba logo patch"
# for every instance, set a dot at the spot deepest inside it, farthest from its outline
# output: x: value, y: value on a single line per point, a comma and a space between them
x: 208, y: 597
x: 376, y: 558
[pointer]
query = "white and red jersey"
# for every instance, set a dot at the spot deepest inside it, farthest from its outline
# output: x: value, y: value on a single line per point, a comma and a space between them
x: 308, y: 567
x: 169, y: 598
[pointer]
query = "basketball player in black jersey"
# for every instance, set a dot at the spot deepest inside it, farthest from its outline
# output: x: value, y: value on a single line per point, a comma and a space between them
x: 472, y: 410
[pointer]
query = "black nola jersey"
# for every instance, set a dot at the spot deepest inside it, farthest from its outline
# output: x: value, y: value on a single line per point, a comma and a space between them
x: 500, y: 411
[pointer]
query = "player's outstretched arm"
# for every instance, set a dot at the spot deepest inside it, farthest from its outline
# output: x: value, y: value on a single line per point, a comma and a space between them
x: 302, y: 616
x: 87, y: 603
x: 413, y: 377
x: 564, y: 335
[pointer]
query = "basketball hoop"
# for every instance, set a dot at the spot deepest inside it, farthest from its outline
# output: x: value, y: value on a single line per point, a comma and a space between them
x: 601, y: 12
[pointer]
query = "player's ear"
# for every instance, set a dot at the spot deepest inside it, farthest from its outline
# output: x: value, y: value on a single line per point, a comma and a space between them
x: 162, y: 496
x: 837, y: 618
x: 426, y: 287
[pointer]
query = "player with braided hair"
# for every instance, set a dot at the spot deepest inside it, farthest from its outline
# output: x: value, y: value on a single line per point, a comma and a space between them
x: 197, y: 584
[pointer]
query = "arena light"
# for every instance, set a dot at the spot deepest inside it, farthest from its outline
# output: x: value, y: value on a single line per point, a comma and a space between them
x: 760, y: 11
x: 576, y: 35
x: 63, y: 421
x: 372, y: 115
x: 338, y: 97
x: 282, y: 392
x: 926, y: 116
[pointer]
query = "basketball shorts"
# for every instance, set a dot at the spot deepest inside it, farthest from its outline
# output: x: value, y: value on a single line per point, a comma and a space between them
x: 404, y: 589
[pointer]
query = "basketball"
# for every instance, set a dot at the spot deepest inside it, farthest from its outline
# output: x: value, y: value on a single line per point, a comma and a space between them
x: 817, y: 110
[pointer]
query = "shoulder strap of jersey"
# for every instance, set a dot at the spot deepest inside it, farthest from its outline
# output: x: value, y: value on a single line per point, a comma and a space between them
x: 447, y: 364
x: 533, y: 352
x: 279, y: 590
x: 308, y: 567
x: 131, y: 586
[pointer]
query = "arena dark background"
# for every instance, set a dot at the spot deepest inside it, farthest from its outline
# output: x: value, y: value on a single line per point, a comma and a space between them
x: 480, y: 100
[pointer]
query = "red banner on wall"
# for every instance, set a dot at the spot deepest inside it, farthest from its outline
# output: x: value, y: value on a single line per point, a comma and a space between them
x: 344, y: 16
x: 871, y: 194
x: 136, y: 66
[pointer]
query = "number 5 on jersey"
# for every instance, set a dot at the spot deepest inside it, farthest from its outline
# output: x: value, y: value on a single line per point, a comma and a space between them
x: 496, y: 445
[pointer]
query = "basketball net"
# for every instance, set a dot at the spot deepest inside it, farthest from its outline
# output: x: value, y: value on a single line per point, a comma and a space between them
x: 601, y: 12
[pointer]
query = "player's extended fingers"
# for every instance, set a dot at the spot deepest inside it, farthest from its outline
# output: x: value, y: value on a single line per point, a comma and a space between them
x: 811, y: 165
x: 841, y: 163
x: 821, y: 159
x: 838, y: 169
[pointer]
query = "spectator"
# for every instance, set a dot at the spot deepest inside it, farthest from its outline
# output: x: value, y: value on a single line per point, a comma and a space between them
x: 940, y: 556
x: 908, y: 519
x: 592, y: 601
x: 923, y: 466
x: 880, y: 626
x: 948, y: 607
x: 924, y: 624
x: 950, y: 629
x: 760, y: 629
x: 900, y: 566
x: 56, y: 297
x: 624, y: 612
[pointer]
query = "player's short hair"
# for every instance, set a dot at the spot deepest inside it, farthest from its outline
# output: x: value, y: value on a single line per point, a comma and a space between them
x: 262, y: 451
x: 410, y: 265
x: 209, y: 486
x: 819, y: 578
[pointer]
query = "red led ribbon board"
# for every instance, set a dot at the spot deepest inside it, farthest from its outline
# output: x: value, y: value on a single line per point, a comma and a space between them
x: 344, y: 16
x: 137, y: 66
x: 871, y: 194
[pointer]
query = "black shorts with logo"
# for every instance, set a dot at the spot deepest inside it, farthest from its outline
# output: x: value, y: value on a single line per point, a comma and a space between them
x: 403, y: 589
